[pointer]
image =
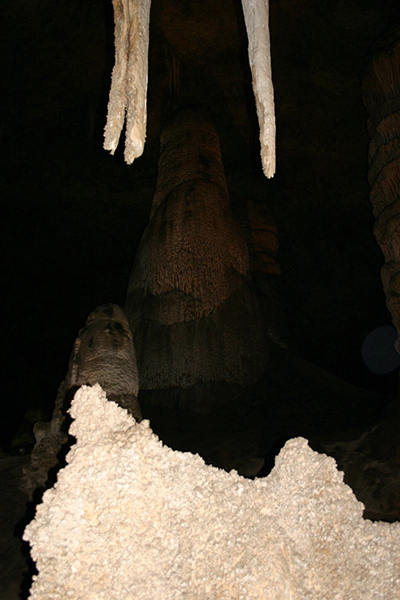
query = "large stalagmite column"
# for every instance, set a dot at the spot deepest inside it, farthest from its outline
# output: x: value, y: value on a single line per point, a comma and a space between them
x: 194, y: 316
x: 256, y: 16
x: 381, y: 95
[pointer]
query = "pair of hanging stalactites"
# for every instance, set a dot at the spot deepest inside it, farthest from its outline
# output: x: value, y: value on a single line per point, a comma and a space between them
x: 129, y: 79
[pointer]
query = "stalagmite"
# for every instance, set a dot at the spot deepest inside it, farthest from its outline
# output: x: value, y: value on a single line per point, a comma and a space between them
x: 102, y: 353
x: 128, y: 94
x: 256, y: 18
x: 190, y: 303
x: 129, y: 79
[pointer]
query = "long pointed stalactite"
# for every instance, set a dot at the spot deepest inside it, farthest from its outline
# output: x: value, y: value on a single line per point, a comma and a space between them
x: 190, y: 304
x: 130, y: 74
x: 256, y: 16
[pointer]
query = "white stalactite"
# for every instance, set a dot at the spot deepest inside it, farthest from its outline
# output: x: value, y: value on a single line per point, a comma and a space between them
x: 128, y: 94
x: 256, y: 14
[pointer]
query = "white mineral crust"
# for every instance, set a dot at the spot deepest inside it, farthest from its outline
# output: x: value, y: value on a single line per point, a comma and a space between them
x: 131, y: 519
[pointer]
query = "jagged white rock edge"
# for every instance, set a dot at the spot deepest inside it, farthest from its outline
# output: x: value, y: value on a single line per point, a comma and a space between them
x: 256, y: 17
x: 130, y: 518
x: 128, y: 93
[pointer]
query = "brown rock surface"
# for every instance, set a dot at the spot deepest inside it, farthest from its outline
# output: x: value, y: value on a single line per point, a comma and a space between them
x: 103, y: 353
x: 190, y: 304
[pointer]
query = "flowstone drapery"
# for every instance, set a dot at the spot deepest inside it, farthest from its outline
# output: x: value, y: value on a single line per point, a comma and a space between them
x: 129, y: 78
x: 256, y: 15
x: 102, y: 353
x: 194, y: 316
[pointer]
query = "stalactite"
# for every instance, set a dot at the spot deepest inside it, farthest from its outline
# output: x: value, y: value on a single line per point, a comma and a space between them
x: 128, y: 94
x: 256, y: 14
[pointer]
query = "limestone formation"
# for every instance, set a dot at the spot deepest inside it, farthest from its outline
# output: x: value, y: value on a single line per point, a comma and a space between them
x: 128, y: 94
x: 103, y: 353
x: 190, y: 303
x: 372, y: 466
x: 381, y: 95
x: 130, y: 518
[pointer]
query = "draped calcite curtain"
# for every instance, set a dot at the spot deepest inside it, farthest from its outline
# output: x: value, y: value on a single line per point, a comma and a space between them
x: 129, y: 79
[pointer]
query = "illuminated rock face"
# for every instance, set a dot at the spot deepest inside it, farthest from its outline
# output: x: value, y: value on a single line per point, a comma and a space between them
x: 130, y: 518
x: 104, y: 353
x: 128, y: 94
x: 194, y: 316
x: 381, y: 95
x: 261, y: 236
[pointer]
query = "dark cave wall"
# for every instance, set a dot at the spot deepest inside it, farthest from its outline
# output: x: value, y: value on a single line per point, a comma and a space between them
x: 73, y: 215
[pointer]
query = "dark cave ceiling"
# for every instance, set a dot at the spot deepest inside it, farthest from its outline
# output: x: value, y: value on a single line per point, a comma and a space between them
x: 73, y: 215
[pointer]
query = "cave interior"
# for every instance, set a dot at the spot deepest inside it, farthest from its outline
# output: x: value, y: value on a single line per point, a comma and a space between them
x: 73, y: 217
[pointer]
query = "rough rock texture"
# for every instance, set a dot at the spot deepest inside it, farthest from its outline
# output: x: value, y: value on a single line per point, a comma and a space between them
x: 72, y: 213
x: 372, y: 466
x: 103, y: 353
x: 261, y: 235
x: 128, y: 94
x: 129, y: 518
x: 381, y: 94
x: 190, y: 304
x: 13, y: 507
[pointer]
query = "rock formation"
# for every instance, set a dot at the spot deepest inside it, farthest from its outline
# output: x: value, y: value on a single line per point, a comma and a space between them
x: 261, y: 236
x: 128, y: 94
x: 130, y: 518
x: 190, y: 304
x: 381, y: 95
x: 103, y: 353
x: 262, y: 239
